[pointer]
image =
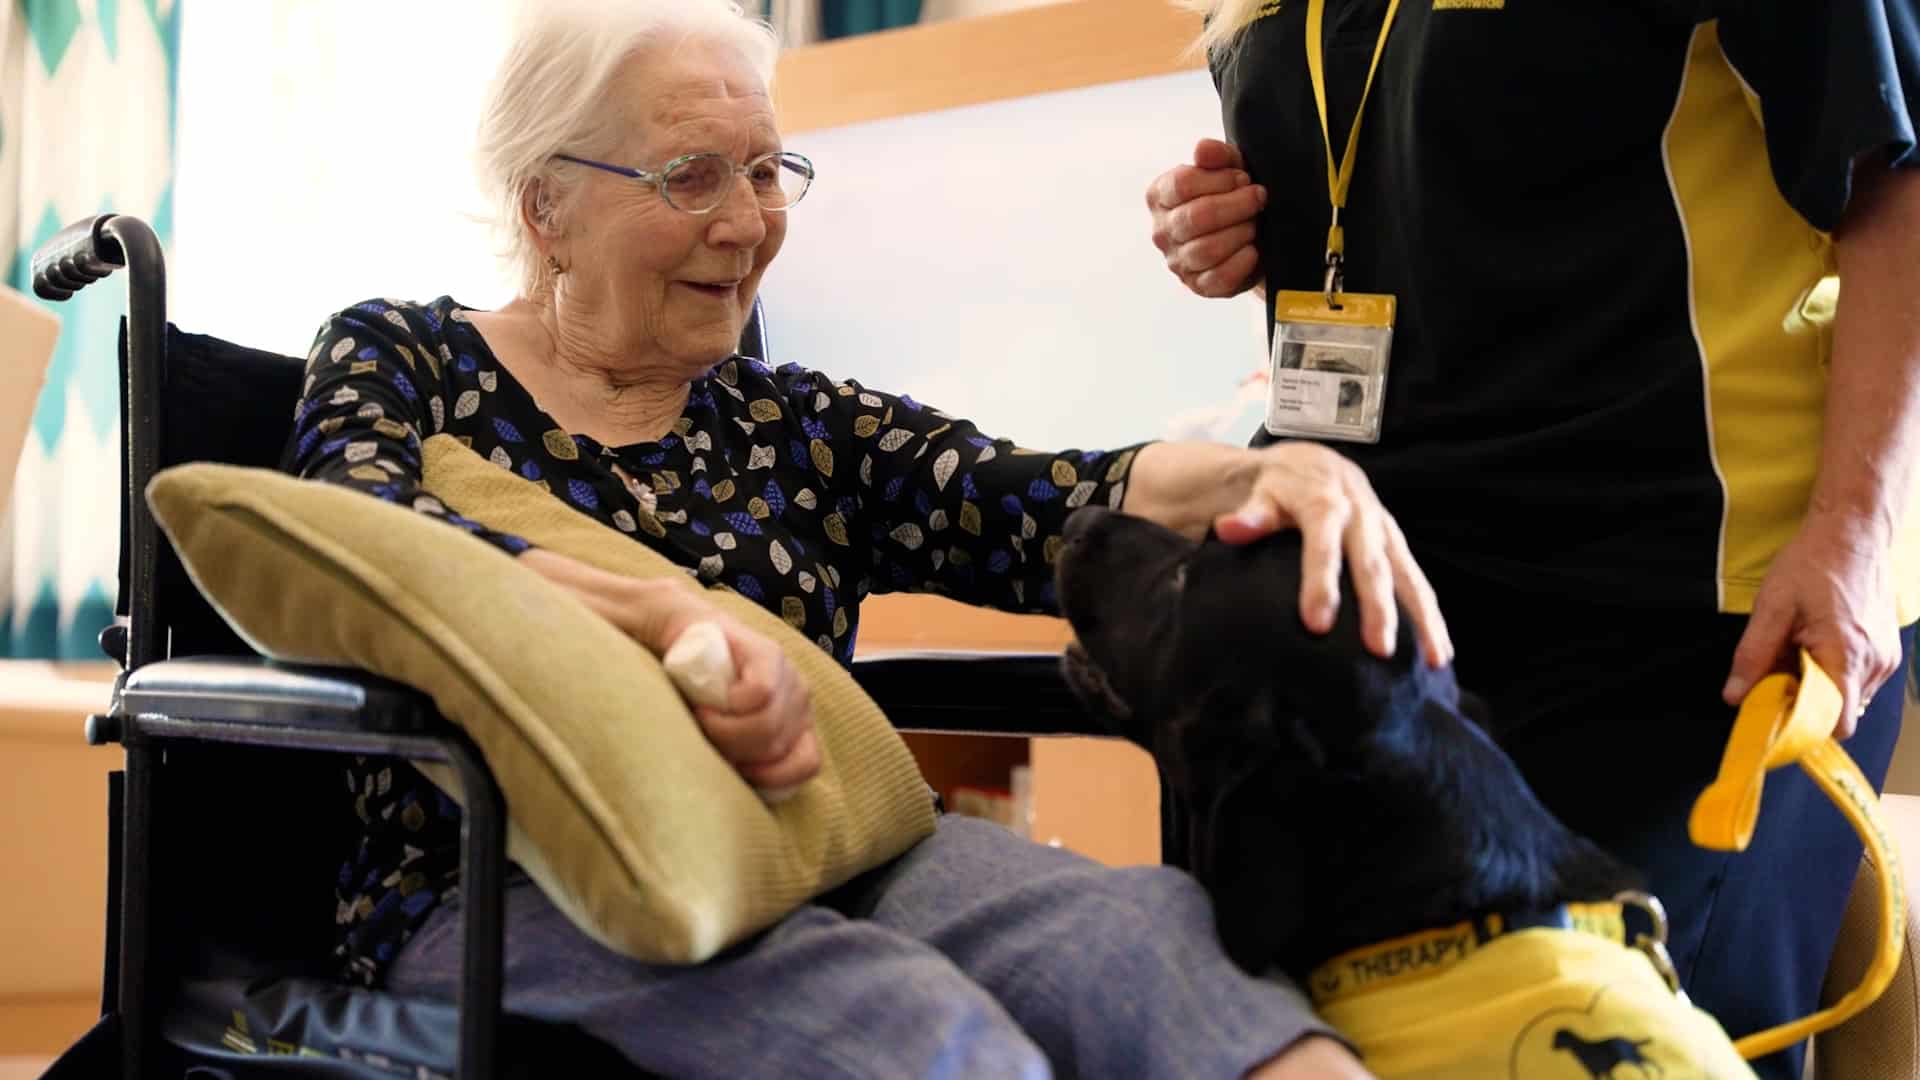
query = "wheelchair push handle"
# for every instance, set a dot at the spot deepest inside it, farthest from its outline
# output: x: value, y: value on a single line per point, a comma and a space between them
x: 76, y: 256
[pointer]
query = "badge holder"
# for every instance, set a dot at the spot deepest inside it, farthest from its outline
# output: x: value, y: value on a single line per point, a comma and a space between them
x: 1328, y: 375
x: 1328, y: 378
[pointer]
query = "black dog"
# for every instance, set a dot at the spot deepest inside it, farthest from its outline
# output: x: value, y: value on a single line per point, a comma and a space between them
x: 1310, y: 785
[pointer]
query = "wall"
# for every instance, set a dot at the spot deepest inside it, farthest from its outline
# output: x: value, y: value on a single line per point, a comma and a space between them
x: 324, y: 158
x: 991, y: 259
x: 995, y: 260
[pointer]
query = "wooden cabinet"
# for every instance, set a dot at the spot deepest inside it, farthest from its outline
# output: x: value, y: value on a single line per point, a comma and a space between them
x: 53, y: 844
x: 1095, y: 796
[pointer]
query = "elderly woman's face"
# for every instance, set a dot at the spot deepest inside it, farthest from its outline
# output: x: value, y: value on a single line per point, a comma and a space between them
x: 676, y: 284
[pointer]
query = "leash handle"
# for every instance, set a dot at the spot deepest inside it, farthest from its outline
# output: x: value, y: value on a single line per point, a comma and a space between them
x: 1786, y: 720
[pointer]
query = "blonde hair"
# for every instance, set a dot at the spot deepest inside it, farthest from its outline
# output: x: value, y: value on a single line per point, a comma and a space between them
x: 1225, y: 20
x: 549, y: 96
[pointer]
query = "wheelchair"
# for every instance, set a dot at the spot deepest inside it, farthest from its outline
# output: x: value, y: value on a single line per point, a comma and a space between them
x: 224, y: 819
x: 223, y: 822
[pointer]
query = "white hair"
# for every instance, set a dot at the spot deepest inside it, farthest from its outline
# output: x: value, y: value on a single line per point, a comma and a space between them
x: 550, y: 96
x: 1225, y: 20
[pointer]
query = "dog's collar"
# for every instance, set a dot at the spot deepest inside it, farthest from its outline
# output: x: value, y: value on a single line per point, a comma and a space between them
x: 1635, y: 920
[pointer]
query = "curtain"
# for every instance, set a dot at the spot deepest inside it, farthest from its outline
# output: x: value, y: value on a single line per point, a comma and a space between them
x: 804, y: 21
x: 86, y: 127
x: 841, y: 18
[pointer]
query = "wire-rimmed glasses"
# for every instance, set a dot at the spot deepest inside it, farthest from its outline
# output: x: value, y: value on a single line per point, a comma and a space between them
x: 698, y: 183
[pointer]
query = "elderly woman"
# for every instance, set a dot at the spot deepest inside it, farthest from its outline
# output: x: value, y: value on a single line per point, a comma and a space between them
x: 644, y: 189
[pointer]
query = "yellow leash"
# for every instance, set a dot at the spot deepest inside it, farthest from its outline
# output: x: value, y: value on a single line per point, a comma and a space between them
x: 1791, y: 720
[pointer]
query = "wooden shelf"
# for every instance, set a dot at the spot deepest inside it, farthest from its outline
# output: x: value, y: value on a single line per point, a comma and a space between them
x: 972, y: 61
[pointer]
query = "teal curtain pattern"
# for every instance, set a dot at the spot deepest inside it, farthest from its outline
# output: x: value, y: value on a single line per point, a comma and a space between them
x: 843, y: 18
x: 86, y: 127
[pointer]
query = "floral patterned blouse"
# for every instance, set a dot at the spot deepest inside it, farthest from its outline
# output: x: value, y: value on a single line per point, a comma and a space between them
x: 802, y: 492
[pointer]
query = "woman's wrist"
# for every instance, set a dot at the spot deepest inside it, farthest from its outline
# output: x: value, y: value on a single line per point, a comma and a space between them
x: 652, y: 611
x: 1185, y: 486
x: 663, y: 608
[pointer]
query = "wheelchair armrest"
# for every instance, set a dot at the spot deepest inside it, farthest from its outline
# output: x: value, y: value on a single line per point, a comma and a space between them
x: 254, y: 702
x: 255, y: 691
x: 994, y: 693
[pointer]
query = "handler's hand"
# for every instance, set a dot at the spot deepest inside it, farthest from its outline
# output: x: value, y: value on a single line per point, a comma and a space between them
x: 1827, y: 592
x: 1203, y: 217
x: 1309, y: 487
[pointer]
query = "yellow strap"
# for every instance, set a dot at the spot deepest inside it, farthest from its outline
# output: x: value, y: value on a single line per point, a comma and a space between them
x: 1340, y: 177
x: 1783, y: 720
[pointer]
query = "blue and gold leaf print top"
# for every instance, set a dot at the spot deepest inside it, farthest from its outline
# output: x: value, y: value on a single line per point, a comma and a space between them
x: 802, y: 492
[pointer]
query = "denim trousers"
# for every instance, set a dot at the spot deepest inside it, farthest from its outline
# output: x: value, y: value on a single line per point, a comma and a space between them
x: 976, y: 954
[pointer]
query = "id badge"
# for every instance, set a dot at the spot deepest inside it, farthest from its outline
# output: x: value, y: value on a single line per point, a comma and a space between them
x: 1329, y: 373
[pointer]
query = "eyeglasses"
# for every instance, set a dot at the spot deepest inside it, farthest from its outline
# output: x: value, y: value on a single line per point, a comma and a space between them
x: 698, y: 183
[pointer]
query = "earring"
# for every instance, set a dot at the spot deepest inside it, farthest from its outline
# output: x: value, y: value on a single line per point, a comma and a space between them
x: 553, y: 266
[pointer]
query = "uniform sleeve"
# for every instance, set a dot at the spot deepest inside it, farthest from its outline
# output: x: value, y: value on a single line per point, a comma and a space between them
x: 1836, y: 79
x: 943, y: 507
x: 371, y: 384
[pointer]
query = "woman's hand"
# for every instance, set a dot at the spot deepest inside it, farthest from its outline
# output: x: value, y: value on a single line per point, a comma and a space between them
x: 765, y: 729
x: 1311, y: 488
x: 1203, y: 217
x: 1827, y: 592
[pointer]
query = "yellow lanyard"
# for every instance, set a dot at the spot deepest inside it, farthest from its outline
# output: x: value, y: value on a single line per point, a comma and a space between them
x: 1339, y: 177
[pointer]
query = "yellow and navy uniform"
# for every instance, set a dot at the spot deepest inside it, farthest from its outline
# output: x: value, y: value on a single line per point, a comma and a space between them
x: 1605, y: 224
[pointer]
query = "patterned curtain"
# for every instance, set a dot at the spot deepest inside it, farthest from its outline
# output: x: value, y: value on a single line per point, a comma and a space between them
x: 842, y: 18
x: 86, y: 127
x: 803, y: 21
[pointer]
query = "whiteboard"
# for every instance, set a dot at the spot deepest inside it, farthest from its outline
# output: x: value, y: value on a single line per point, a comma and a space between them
x: 996, y: 262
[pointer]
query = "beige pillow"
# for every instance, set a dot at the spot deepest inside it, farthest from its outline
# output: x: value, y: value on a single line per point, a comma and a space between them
x: 619, y: 807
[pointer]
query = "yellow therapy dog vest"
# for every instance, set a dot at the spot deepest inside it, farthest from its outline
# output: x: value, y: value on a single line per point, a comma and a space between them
x: 1535, y: 1004
x: 1590, y: 998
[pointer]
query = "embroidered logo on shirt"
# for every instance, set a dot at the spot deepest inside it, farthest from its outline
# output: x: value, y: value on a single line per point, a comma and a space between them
x: 1266, y: 8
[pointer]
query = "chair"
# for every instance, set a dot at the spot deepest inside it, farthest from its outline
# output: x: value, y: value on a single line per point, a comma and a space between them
x: 227, y: 976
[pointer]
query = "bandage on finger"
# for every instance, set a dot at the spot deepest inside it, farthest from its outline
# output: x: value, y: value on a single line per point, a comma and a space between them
x: 701, y: 667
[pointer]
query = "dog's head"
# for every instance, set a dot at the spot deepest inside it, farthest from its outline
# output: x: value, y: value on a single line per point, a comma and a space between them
x: 1196, y: 651
x: 1191, y: 649
x: 1298, y: 757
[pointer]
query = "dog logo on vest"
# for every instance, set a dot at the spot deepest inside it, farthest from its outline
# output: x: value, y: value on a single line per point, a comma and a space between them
x: 1624, y: 1032
x: 1600, y: 1059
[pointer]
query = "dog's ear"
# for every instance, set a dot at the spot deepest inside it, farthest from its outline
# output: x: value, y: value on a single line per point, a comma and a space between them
x: 1097, y: 696
x: 1251, y: 856
x: 1248, y: 768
